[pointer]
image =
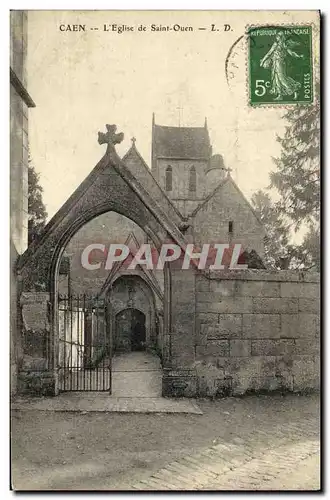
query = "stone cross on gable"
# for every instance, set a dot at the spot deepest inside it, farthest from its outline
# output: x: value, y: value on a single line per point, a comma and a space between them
x: 111, y: 138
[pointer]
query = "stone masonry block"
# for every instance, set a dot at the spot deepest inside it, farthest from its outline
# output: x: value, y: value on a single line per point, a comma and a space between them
x: 310, y: 277
x: 180, y: 385
x: 202, y: 284
x: 275, y: 305
x: 309, y: 305
x: 301, y: 290
x: 37, y: 383
x: 181, y: 340
x: 208, y: 317
x: 286, y: 383
x: 300, y: 325
x: 306, y: 374
x: 284, y: 365
x: 302, y: 370
x: 307, y: 346
x: 182, y: 361
x: 256, y: 384
x: 213, y: 348
x: 259, y: 288
x: 263, y: 275
x: 252, y: 366
x: 224, y: 288
x: 210, y: 296
x: 240, y: 348
x: 230, y: 325
x: 35, y: 316
x: 246, y: 373
x: 28, y: 298
x: 253, y: 374
x: 227, y: 305
x: 261, y: 326
x: 273, y: 347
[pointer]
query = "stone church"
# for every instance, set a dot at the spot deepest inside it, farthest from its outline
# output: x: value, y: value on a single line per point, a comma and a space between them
x: 214, y: 332
x: 191, y: 184
x: 187, y: 180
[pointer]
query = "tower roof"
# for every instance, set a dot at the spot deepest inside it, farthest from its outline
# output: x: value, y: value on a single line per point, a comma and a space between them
x: 216, y: 163
x: 181, y: 142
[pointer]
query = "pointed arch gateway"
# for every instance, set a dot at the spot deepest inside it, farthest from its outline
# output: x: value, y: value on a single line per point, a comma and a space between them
x: 109, y: 187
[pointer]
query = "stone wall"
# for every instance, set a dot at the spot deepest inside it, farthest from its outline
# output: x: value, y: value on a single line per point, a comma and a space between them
x: 257, y: 331
x: 230, y: 333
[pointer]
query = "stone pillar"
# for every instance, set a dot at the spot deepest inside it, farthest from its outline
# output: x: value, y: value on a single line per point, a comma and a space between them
x: 180, y: 379
x: 34, y: 376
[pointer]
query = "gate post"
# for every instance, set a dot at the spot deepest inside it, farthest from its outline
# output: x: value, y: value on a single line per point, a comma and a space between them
x: 180, y: 379
x: 36, y: 375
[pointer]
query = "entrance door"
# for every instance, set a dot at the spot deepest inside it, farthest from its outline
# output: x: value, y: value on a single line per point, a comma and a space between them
x: 130, y: 331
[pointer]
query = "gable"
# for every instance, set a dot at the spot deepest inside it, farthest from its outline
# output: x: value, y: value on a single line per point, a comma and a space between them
x: 227, y: 193
x: 109, y: 187
x: 119, y: 270
x: 227, y: 207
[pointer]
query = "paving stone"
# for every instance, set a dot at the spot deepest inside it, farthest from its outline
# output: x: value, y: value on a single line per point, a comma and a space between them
x: 244, y: 471
x: 169, y: 477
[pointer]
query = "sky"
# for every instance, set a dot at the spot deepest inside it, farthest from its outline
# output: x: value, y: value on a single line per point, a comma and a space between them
x: 81, y: 80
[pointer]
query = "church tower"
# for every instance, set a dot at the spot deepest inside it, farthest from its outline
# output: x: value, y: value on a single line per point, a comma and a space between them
x: 180, y: 160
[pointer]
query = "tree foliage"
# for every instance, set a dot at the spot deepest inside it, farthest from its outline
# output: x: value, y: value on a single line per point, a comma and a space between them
x: 297, y: 175
x: 277, y: 233
x: 307, y: 255
x: 279, y: 252
x: 36, y: 208
x: 297, y: 181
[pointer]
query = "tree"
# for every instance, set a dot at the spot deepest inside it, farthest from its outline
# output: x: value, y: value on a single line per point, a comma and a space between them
x: 307, y: 255
x: 297, y: 180
x: 36, y: 208
x: 297, y: 177
x: 278, y: 251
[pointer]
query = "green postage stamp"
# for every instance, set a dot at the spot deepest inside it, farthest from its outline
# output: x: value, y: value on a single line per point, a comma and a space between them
x: 280, y: 65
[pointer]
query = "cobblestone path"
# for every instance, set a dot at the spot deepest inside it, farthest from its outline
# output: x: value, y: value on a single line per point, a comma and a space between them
x: 290, y: 465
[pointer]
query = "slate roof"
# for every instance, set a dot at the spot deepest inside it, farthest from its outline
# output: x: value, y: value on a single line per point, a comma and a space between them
x: 181, y: 142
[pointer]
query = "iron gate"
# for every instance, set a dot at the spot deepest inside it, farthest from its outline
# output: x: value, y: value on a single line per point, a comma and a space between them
x: 84, y: 343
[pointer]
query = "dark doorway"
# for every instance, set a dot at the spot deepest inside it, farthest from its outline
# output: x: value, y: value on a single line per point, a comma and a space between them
x: 130, y: 331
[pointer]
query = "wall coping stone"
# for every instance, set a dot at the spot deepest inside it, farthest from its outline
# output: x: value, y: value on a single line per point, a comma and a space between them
x: 262, y: 275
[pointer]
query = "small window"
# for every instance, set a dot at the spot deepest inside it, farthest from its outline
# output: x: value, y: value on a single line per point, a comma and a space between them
x: 168, y: 178
x: 230, y: 227
x: 192, y: 179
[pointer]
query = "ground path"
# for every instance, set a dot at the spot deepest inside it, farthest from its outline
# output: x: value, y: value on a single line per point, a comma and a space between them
x: 266, y: 442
